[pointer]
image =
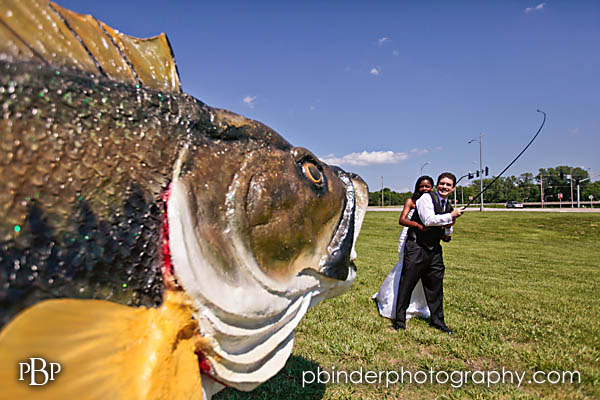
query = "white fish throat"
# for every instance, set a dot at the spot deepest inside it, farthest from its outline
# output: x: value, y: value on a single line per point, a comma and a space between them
x: 250, y: 318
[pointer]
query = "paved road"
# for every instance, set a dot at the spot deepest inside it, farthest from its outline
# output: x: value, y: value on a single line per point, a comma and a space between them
x: 561, y: 210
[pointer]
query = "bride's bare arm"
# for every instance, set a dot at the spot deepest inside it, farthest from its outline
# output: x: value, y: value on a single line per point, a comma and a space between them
x: 408, y: 205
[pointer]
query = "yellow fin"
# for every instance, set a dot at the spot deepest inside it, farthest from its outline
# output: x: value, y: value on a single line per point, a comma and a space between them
x: 100, y: 46
x: 106, y: 350
x: 42, y: 31
x: 151, y: 59
x: 34, y: 25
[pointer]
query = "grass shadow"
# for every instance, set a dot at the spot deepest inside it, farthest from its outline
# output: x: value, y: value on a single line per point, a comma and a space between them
x: 287, y: 384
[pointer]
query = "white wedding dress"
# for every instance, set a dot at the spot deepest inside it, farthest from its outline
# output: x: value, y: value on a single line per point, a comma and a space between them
x: 386, y: 297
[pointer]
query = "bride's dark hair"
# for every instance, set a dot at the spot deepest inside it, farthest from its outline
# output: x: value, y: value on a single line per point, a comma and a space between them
x: 416, y: 194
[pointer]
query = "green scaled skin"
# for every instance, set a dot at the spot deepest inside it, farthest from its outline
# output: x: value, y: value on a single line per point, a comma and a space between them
x: 85, y: 162
x: 83, y: 165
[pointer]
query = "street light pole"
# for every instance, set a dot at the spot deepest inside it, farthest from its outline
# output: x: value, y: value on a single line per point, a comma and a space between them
x: 578, y: 182
x: 423, y: 166
x: 480, y: 168
x: 481, y: 171
x: 542, y: 189
x: 571, y: 180
x: 382, y: 192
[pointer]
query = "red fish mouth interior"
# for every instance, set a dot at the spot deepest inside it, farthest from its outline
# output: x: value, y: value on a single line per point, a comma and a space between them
x: 167, y: 263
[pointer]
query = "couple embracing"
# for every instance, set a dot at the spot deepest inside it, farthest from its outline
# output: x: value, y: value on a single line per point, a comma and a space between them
x: 415, y: 286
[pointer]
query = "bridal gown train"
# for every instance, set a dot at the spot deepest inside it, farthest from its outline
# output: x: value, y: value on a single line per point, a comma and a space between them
x: 388, y: 292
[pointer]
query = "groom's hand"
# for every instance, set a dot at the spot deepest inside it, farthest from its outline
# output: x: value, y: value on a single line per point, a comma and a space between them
x: 457, y: 212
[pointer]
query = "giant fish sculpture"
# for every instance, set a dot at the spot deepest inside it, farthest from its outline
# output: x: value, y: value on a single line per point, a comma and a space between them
x: 152, y: 246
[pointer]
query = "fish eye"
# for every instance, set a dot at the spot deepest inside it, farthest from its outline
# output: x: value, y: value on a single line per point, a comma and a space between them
x: 312, y: 172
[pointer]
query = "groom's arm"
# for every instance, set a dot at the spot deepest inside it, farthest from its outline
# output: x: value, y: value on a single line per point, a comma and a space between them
x: 428, y: 215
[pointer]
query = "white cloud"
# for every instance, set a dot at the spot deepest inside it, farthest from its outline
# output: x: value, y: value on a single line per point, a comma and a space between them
x: 375, y: 71
x: 536, y: 8
x: 396, y: 53
x: 250, y: 101
x: 312, y: 108
x: 419, y: 152
x: 383, y: 40
x: 366, y: 158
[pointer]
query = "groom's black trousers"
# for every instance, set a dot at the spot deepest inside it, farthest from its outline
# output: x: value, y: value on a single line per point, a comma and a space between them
x: 427, y: 265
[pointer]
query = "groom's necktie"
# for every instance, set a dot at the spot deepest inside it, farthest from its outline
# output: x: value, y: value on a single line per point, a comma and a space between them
x: 443, y: 203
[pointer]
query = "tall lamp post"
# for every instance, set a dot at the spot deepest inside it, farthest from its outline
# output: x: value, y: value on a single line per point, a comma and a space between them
x: 578, y: 182
x: 480, y: 170
x: 382, y: 203
x: 570, y: 178
x: 542, y: 189
x: 423, y: 166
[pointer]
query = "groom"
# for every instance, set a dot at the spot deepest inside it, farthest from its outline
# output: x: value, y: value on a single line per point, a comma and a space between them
x: 423, y: 253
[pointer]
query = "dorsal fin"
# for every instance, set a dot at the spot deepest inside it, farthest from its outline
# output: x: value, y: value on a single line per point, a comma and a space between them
x: 42, y: 31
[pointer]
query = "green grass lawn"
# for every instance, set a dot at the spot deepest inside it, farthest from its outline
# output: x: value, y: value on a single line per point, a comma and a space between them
x: 522, y: 292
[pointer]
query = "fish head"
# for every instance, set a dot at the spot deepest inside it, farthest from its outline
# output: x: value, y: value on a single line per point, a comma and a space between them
x: 259, y: 231
x: 287, y: 209
x: 293, y: 205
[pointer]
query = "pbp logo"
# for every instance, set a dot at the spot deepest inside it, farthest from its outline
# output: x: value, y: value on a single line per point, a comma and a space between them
x: 37, y: 366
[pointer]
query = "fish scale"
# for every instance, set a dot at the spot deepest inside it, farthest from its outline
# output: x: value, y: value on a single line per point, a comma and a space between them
x: 79, y: 199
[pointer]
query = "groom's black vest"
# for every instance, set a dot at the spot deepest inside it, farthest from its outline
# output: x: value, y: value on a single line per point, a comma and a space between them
x: 429, y: 239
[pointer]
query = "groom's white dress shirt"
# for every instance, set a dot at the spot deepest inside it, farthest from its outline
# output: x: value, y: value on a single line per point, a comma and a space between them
x: 428, y: 215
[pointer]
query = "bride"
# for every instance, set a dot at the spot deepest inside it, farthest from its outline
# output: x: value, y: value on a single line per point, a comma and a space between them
x: 386, y: 297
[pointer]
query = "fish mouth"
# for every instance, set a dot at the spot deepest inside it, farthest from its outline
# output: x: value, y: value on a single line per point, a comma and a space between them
x: 336, y: 264
x: 249, y: 341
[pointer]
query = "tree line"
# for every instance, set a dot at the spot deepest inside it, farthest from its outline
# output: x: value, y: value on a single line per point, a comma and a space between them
x: 526, y: 187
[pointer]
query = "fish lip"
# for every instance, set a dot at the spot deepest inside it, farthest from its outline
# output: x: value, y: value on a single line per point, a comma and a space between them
x: 336, y: 263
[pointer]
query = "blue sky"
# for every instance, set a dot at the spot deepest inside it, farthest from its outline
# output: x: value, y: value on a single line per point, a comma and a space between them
x: 384, y: 88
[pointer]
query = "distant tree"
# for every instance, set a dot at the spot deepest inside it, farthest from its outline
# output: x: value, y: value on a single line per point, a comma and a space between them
x: 502, y: 190
x: 375, y: 198
x: 403, y: 196
x: 530, y: 191
x: 390, y: 197
x: 555, y: 181
x: 526, y: 179
x: 591, y: 189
